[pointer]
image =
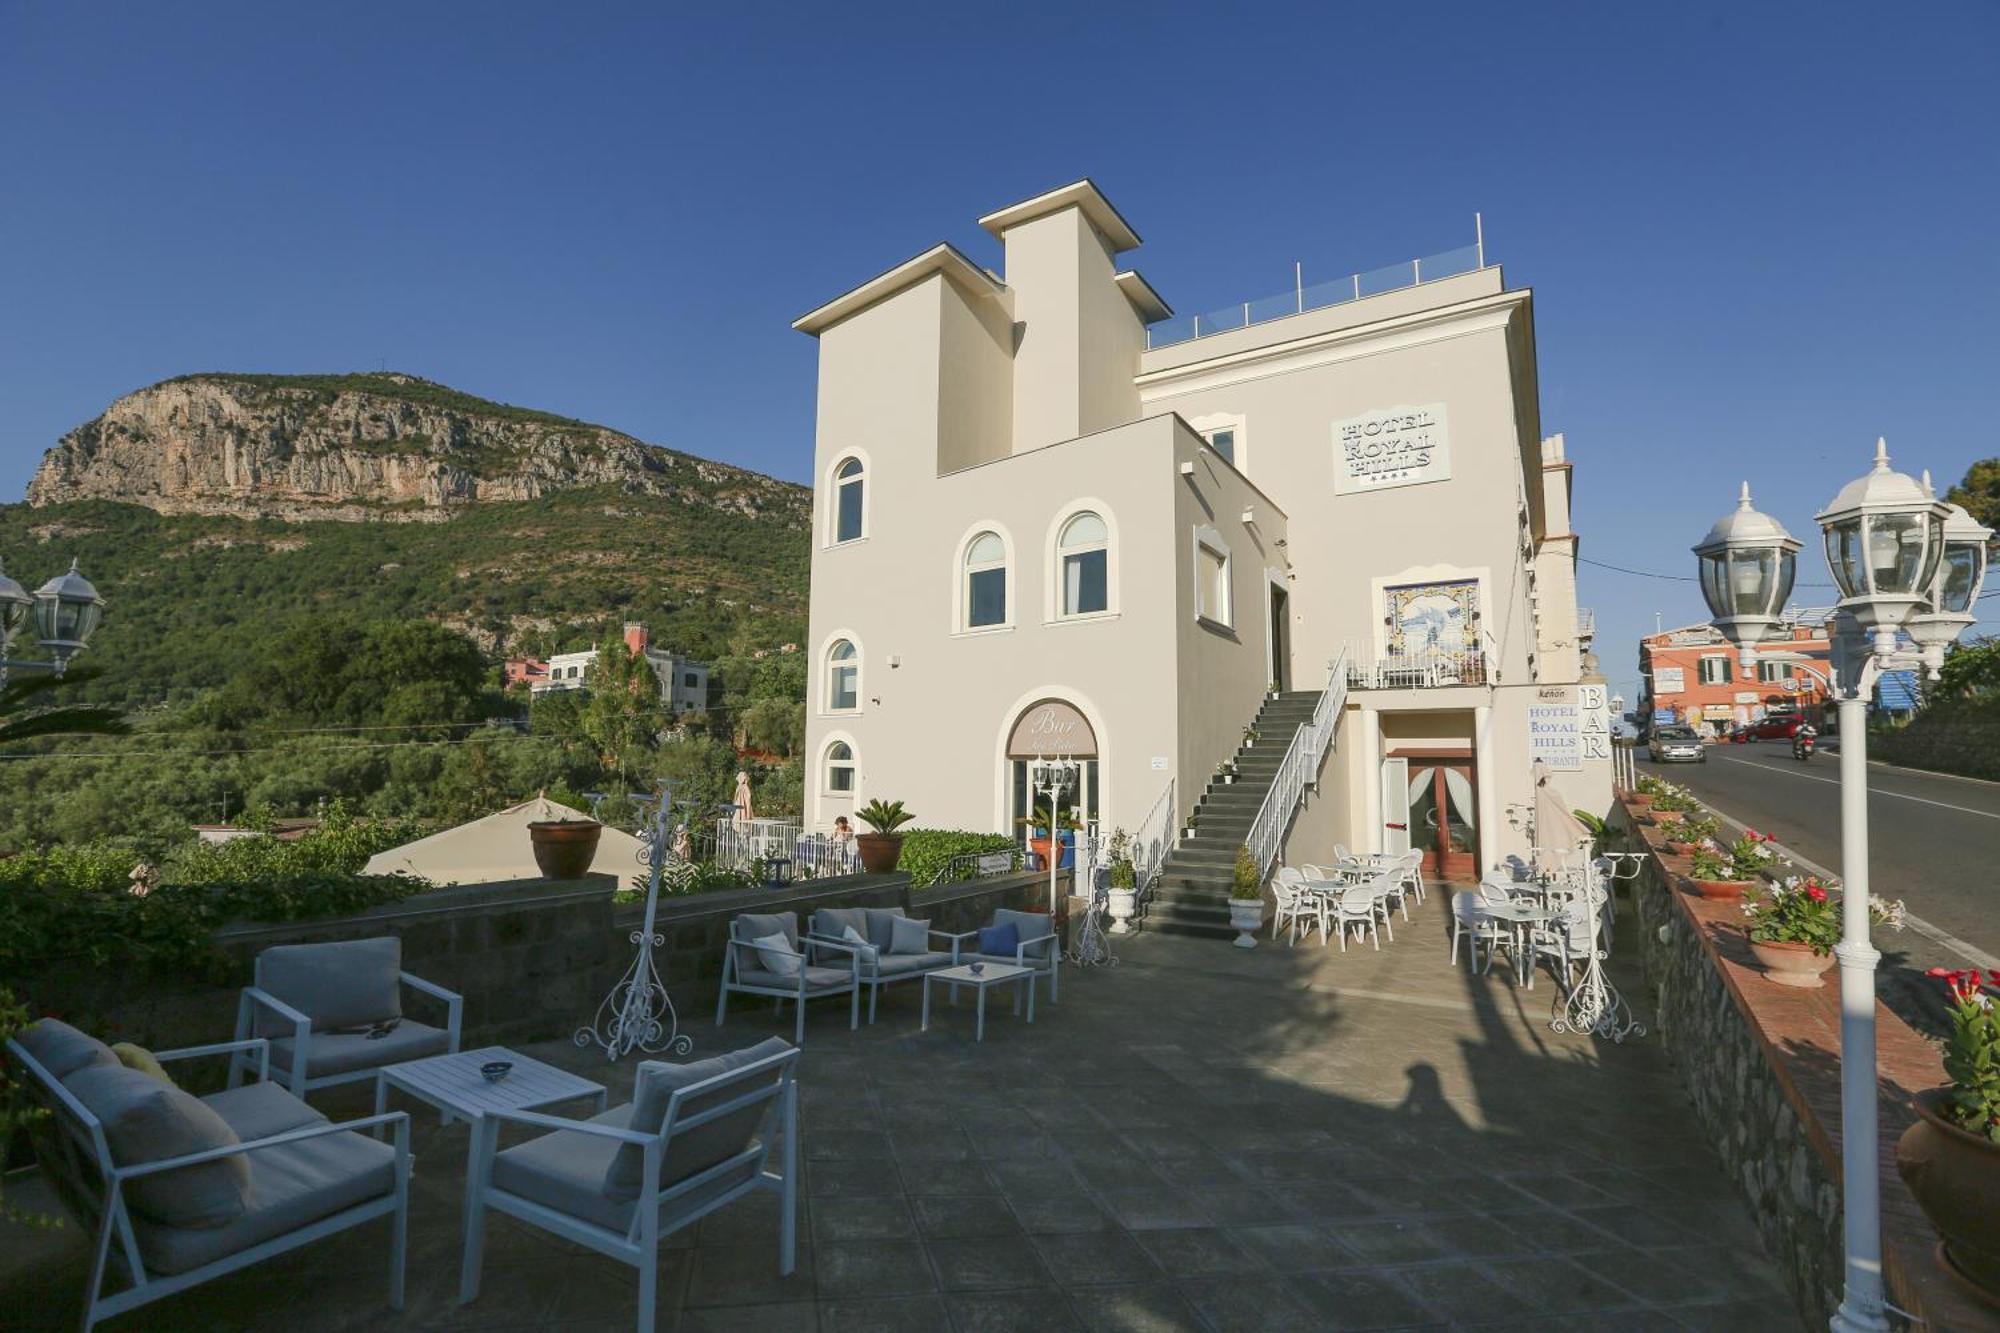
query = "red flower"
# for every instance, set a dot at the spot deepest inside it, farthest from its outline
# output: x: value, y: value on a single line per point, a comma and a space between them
x: 1816, y: 893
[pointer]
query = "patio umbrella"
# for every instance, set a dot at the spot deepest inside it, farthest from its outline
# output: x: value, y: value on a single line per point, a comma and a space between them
x: 1556, y: 828
x: 743, y: 815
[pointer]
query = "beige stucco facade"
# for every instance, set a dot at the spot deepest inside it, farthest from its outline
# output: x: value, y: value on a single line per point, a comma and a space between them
x: 1390, y: 483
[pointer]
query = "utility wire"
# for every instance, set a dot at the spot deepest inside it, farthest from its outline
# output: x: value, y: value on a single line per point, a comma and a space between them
x: 1677, y: 578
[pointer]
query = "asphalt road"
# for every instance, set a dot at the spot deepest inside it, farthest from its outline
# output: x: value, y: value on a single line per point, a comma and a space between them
x: 1934, y: 842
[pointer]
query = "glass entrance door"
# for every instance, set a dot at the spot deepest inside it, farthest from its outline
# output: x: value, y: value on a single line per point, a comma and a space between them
x: 1444, y: 816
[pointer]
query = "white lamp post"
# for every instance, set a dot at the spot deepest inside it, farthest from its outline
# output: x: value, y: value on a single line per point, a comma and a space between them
x: 66, y: 612
x: 1053, y: 778
x: 1886, y: 539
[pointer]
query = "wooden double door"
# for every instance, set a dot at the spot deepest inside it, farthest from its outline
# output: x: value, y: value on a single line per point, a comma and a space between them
x: 1430, y: 801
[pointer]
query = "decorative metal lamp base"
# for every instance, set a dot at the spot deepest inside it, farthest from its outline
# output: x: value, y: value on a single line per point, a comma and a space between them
x: 638, y: 1015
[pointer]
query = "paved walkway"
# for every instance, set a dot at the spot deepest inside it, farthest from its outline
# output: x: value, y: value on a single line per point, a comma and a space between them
x: 1201, y: 1138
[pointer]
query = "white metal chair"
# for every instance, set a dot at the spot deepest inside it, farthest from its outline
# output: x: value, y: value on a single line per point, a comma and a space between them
x: 333, y: 1012
x: 1470, y: 920
x: 286, y: 1176
x: 688, y: 1144
x: 1566, y: 940
x: 1298, y: 903
x: 1357, y: 907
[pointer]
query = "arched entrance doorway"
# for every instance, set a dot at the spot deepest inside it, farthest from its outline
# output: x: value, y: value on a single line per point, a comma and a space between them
x: 1050, y: 729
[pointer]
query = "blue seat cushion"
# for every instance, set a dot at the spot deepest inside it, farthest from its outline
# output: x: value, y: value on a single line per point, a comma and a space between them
x: 1001, y: 940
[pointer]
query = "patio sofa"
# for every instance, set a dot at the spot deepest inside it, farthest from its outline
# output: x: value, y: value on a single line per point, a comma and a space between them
x: 881, y: 962
x: 176, y: 1189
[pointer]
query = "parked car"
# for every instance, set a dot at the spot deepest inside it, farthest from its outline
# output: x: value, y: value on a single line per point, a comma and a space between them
x: 1676, y: 745
x: 1778, y: 726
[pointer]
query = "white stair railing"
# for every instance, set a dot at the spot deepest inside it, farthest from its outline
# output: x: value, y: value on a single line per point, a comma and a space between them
x: 1298, y: 769
x: 1153, y: 840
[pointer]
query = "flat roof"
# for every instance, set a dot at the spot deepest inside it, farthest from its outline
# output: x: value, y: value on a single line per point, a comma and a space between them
x: 1082, y: 194
x: 942, y: 258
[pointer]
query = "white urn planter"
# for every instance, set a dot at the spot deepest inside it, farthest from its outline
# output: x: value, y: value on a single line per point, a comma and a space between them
x: 1123, y: 903
x: 1246, y: 917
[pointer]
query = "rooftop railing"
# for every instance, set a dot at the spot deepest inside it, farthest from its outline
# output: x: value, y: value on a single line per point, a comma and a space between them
x: 1320, y: 295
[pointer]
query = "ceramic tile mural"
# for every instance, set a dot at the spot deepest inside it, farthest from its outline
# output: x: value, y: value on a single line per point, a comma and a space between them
x: 1433, y: 617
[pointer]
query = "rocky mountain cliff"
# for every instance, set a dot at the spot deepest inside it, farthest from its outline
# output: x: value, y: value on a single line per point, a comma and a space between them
x: 365, y: 447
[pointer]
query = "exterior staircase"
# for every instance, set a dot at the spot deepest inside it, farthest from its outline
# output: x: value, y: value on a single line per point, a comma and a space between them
x: 1192, y: 894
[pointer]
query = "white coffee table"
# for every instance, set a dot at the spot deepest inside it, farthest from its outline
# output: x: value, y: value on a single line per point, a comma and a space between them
x: 988, y: 976
x: 454, y: 1085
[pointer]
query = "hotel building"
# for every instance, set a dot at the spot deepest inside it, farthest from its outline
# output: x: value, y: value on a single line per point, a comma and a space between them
x: 1051, y: 519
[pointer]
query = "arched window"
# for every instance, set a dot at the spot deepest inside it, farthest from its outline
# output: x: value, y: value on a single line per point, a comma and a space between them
x: 840, y: 769
x: 985, y: 581
x: 850, y: 486
x: 1084, y: 564
x: 843, y: 677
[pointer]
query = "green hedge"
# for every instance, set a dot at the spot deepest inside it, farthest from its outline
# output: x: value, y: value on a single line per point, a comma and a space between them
x: 73, y: 906
x: 926, y: 852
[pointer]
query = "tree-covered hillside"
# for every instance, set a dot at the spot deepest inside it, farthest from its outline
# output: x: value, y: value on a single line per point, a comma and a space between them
x: 192, y: 598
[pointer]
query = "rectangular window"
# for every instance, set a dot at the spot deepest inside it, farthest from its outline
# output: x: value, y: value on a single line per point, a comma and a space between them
x: 986, y: 597
x: 1716, y: 671
x: 690, y: 680
x: 1774, y: 673
x: 1086, y: 583
x: 1224, y: 443
x: 845, y: 694
x: 1211, y: 583
x: 840, y: 778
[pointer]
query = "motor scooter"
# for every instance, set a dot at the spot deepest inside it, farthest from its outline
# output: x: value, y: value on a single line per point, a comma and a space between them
x: 1804, y: 741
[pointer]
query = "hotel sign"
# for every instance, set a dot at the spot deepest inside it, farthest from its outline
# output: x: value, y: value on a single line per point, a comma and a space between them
x: 1051, y: 728
x: 1394, y: 446
x: 1555, y: 731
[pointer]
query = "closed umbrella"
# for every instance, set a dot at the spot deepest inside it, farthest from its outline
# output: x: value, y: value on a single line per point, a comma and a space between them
x: 743, y: 815
x: 1556, y: 828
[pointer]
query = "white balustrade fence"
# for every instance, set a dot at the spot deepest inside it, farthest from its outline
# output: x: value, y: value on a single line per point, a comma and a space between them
x: 1153, y: 839
x: 1428, y: 670
x: 1298, y: 769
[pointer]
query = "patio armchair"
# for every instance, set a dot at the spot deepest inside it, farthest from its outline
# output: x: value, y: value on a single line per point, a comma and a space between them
x: 881, y: 963
x: 687, y: 1144
x: 1040, y: 950
x: 176, y: 1189
x: 752, y: 966
x: 1299, y: 903
x: 333, y: 1013
x: 1471, y: 921
x: 1357, y: 907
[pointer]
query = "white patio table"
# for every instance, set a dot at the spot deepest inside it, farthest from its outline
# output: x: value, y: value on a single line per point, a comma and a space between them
x: 988, y: 976
x: 454, y: 1085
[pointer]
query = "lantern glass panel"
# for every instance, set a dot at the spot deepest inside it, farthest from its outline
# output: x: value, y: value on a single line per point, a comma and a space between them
x: 1843, y: 556
x: 1963, y: 563
x: 13, y: 615
x: 1753, y: 574
x: 1788, y: 568
x: 1713, y: 589
x: 1896, y: 551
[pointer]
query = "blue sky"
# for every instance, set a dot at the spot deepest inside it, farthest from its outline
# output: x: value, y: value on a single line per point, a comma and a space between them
x: 1758, y: 235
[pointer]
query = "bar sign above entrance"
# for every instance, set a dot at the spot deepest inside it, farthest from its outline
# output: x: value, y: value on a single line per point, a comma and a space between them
x: 1052, y: 727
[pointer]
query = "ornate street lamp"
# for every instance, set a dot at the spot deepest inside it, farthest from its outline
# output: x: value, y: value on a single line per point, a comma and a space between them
x: 1902, y: 559
x: 66, y: 612
x: 1947, y: 612
x: 1748, y: 562
x: 1884, y: 538
x: 1053, y: 778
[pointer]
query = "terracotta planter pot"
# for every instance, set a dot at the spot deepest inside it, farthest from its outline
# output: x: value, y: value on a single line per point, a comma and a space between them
x: 1789, y: 964
x: 1640, y: 799
x: 564, y: 848
x: 1955, y: 1176
x: 879, y: 851
x: 1720, y: 889
x: 1669, y: 816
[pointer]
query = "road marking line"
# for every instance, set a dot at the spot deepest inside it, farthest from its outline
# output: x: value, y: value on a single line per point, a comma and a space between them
x: 1872, y: 791
x: 1972, y: 953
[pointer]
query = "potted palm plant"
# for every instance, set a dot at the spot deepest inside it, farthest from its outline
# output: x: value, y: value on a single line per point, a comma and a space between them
x: 1046, y: 830
x: 882, y: 848
x: 1950, y: 1158
x: 1246, y: 898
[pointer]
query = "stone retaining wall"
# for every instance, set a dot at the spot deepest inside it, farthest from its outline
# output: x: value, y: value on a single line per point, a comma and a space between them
x: 1762, y: 1064
x: 532, y: 958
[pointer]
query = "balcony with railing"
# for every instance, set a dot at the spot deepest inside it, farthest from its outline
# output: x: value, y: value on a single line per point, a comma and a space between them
x: 1304, y: 297
x: 1431, y: 669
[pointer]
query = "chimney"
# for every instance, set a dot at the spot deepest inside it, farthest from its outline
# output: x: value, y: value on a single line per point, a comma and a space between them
x: 636, y: 638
